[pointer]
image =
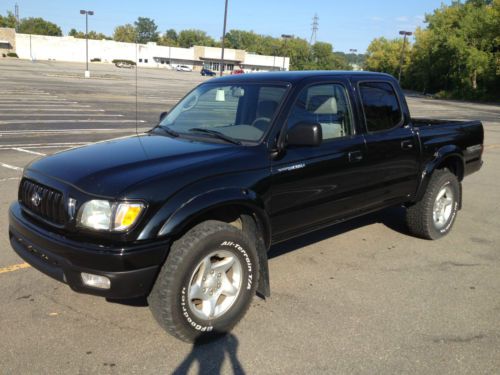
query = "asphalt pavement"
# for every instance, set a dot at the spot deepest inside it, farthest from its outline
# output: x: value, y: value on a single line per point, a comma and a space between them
x: 362, y: 297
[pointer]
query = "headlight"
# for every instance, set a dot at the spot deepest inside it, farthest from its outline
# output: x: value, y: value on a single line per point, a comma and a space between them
x: 105, y: 215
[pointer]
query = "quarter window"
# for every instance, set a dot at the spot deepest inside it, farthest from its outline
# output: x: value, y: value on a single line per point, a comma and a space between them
x: 381, y: 106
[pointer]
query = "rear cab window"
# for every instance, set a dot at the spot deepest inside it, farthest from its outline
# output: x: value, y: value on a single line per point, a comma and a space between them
x: 381, y: 106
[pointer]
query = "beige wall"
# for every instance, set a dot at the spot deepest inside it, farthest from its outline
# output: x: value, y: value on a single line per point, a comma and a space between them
x: 67, y: 48
x: 10, y: 36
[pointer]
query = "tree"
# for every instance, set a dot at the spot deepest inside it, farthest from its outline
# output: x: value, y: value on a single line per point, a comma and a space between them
x: 170, y: 38
x: 125, y: 33
x: 458, y: 53
x: 92, y: 35
x: 194, y: 37
x: 8, y: 21
x: 146, y: 30
x: 383, y: 55
x: 38, y: 26
x: 325, y: 59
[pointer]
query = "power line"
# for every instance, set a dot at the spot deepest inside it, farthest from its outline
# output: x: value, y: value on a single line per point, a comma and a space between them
x: 315, y: 28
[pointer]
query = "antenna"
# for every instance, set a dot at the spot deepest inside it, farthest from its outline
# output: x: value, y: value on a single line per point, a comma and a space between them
x: 136, y: 90
x: 315, y: 27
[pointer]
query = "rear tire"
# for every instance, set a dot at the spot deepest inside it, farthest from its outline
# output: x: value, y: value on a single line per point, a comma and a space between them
x: 433, y: 216
x: 207, y: 282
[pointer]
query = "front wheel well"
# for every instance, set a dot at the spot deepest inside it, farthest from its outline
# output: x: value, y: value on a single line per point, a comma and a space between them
x: 239, y: 216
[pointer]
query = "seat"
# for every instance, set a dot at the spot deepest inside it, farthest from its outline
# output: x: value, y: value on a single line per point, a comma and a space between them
x: 325, y: 109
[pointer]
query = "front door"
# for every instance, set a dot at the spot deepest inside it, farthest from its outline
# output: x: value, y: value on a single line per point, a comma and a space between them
x: 316, y: 185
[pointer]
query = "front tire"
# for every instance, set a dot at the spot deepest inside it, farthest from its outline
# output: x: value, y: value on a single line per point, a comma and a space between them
x: 207, y: 283
x: 433, y: 216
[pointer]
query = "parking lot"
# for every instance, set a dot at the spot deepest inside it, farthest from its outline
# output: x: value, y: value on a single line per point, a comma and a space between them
x: 361, y: 297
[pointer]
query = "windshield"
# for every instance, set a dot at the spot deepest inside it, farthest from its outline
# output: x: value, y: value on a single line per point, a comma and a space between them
x: 242, y: 112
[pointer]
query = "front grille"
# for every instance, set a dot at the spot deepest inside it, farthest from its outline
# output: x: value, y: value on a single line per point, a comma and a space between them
x: 50, y: 205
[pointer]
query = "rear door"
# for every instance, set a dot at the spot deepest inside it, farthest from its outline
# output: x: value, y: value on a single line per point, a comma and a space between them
x: 392, y: 152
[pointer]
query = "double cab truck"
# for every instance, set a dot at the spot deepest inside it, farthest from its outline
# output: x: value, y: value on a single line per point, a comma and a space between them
x: 185, y: 213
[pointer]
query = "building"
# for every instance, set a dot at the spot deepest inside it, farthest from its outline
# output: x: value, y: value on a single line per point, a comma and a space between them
x: 68, y: 48
x: 7, y: 41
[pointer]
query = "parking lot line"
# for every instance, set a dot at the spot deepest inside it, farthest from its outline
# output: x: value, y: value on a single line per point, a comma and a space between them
x: 64, y: 109
x: 14, y: 267
x: 51, y: 105
x: 3, y: 122
x: 43, y: 145
x: 28, y: 151
x: 9, y: 179
x: 8, y: 166
x: 58, y: 114
x: 63, y: 131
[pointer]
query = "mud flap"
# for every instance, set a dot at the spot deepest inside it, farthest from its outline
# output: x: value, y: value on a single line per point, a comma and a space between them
x: 264, y: 287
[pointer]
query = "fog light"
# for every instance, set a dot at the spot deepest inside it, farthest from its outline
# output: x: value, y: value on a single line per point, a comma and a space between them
x: 101, y: 282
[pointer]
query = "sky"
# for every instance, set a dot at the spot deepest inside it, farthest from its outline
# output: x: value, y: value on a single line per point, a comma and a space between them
x: 345, y: 24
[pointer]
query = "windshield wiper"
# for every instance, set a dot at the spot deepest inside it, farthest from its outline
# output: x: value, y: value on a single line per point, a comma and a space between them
x: 216, y: 134
x: 169, y: 131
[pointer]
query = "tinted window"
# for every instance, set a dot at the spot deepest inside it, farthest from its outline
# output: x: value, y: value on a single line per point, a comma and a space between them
x: 381, y: 106
x: 326, y: 105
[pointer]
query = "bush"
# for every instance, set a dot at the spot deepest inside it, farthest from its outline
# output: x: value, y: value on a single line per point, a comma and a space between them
x: 12, y: 54
x: 4, y: 55
x: 124, y: 62
x: 97, y: 59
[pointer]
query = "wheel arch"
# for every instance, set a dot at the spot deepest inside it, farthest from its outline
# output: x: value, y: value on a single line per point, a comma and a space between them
x: 228, y: 205
x: 448, y: 157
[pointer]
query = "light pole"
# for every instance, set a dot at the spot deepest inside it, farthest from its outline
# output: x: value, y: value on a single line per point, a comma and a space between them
x: 223, y: 40
x: 355, y: 51
x: 285, y: 37
x: 87, y: 14
x: 405, y: 34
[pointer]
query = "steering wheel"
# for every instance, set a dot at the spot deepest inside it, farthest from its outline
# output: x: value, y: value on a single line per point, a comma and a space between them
x: 261, y: 123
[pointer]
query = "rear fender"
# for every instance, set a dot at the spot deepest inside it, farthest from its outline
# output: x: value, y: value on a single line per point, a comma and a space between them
x: 442, y: 157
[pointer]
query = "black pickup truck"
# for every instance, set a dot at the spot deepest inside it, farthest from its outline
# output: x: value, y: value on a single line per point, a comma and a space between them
x: 185, y: 213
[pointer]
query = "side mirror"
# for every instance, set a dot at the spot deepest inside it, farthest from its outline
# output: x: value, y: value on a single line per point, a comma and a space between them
x: 305, y: 134
x: 163, y: 115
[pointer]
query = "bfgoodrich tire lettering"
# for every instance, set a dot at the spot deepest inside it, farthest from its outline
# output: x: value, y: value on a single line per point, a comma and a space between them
x: 434, y: 215
x: 185, y: 282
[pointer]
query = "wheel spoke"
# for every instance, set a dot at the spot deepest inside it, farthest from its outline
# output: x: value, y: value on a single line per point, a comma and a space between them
x: 205, y: 268
x: 228, y: 289
x: 208, y: 306
x: 441, y: 193
x: 195, y: 292
x: 223, y: 265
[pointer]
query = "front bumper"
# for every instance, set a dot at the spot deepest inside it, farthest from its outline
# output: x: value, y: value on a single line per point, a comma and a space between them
x: 132, y: 269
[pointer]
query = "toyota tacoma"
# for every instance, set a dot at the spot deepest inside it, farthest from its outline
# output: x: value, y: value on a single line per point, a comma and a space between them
x: 185, y: 213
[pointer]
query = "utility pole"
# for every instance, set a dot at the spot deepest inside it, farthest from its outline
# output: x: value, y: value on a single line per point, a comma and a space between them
x: 285, y: 37
x: 315, y: 28
x: 355, y: 51
x: 16, y: 14
x: 87, y: 14
x: 223, y: 40
x: 405, y: 34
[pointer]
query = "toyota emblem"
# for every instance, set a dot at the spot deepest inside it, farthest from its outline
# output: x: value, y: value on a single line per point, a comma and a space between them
x: 36, y: 199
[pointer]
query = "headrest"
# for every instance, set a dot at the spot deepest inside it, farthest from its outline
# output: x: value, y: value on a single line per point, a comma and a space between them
x: 328, y: 107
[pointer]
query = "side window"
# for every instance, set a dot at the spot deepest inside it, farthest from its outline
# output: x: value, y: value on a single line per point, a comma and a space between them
x: 325, y: 104
x: 381, y: 106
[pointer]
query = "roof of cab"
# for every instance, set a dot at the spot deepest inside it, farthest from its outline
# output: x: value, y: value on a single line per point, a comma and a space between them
x: 295, y: 76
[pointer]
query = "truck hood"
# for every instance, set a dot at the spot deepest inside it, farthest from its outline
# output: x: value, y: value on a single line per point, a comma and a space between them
x: 110, y: 167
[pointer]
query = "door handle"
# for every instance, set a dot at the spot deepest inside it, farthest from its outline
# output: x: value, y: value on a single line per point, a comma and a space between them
x: 406, y: 145
x: 355, y: 156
